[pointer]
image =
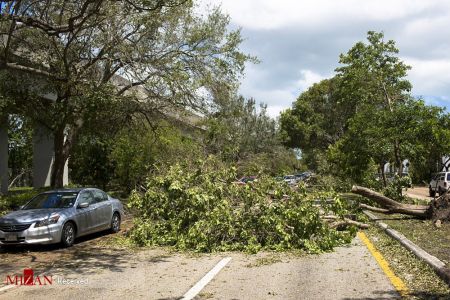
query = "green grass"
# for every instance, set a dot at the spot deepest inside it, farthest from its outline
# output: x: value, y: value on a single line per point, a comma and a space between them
x: 421, y: 280
x: 435, y: 241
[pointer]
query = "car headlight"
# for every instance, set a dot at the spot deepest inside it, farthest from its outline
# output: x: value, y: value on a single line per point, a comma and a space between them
x: 53, y: 219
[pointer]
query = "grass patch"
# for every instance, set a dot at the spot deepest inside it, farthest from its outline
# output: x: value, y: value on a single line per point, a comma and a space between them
x: 435, y: 241
x: 416, y: 201
x: 421, y: 280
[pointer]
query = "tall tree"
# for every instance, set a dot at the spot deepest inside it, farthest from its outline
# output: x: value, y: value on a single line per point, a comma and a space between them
x: 236, y: 128
x: 317, y: 119
x: 373, y: 77
x: 103, y: 60
x: 365, y: 116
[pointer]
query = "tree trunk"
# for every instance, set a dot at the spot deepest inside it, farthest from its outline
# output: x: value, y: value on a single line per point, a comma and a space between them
x: 438, y: 210
x: 390, y: 206
x: 59, y: 161
x: 383, y: 174
x: 63, y: 146
x: 397, y: 155
x: 398, y: 159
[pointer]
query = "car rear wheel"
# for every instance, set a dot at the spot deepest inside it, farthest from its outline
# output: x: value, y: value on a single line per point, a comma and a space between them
x: 68, y: 235
x: 115, y: 223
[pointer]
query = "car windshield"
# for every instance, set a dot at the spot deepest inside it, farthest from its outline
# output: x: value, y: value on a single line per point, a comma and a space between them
x: 52, y: 200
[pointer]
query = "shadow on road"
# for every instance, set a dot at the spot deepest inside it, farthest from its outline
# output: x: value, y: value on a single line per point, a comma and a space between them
x: 86, y: 256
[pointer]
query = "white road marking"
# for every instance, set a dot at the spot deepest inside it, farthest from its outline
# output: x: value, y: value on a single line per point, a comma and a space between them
x: 206, y: 279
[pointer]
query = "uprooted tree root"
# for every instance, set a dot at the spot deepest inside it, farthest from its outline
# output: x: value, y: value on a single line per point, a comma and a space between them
x: 438, y: 210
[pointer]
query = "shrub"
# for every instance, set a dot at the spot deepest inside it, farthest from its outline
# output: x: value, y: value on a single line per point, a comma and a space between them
x: 197, y: 207
x: 394, y: 189
x: 15, y: 199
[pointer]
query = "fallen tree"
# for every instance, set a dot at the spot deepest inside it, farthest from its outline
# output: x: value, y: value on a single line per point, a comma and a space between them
x: 203, y: 211
x: 437, y: 210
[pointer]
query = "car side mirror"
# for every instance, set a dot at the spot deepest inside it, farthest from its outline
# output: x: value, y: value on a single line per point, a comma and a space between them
x: 83, y: 205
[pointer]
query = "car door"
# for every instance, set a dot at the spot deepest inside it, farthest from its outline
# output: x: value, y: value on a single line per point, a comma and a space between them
x: 86, y: 216
x: 104, y: 208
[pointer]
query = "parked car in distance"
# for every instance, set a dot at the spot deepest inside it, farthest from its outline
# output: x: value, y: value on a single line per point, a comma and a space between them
x: 302, y: 176
x: 439, y: 183
x: 290, y: 179
x: 246, y: 179
x: 60, y: 216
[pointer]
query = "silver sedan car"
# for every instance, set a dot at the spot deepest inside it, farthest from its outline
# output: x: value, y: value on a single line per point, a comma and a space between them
x: 60, y: 216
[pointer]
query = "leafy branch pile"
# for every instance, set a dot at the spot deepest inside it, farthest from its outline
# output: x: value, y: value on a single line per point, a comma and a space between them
x: 197, y: 207
x: 394, y: 189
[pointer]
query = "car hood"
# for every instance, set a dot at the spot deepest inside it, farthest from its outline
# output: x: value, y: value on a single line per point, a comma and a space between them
x: 28, y: 215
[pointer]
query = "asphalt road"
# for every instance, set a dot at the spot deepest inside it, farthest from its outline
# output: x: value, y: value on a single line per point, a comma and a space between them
x: 101, y: 272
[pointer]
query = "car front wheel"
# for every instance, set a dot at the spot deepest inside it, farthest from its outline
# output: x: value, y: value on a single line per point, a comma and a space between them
x: 431, y: 192
x: 115, y: 223
x: 68, y: 235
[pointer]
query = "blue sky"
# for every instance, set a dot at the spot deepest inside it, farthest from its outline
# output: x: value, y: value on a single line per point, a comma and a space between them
x: 299, y: 42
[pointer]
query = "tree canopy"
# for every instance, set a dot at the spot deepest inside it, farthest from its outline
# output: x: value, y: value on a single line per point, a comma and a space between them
x: 365, y: 116
x: 102, y: 62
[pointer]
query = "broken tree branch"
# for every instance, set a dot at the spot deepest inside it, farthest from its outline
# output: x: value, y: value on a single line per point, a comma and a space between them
x: 374, y: 209
x: 392, y: 206
x: 338, y: 222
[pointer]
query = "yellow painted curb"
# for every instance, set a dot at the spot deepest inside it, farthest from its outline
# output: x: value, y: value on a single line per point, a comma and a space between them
x: 384, y: 265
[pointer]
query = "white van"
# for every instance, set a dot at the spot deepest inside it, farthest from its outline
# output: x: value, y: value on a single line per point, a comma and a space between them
x: 439, y: 183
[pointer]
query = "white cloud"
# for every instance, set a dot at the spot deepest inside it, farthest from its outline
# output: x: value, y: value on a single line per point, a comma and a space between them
x: 308, y: 78
x: 429, y: 77
x: 298, y: 42
x: 271, y: 97
x: 271, y: 14
x: 279, y: 99
x: 275, y: 110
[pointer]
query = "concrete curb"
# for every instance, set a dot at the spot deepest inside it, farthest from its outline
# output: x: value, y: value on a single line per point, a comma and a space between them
x: 438, y: 266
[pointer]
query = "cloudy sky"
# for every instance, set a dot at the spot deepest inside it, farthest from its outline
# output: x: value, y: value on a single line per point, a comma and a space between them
x: 299, y: 41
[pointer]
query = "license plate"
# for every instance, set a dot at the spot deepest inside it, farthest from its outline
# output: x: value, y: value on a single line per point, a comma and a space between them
x: 11, y: 237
